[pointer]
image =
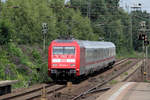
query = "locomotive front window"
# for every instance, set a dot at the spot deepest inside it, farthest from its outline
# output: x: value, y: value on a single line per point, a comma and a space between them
x: 69, y: 50
x: 57, y: 50
x: 64, y: 50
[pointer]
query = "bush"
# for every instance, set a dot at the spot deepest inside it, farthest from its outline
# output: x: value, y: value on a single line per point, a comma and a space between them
x: 14, y: 50
x: 6, y: 32
x: 36, y: 54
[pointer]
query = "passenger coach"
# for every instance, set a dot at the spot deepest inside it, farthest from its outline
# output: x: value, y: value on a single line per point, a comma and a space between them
x: 69, y: 59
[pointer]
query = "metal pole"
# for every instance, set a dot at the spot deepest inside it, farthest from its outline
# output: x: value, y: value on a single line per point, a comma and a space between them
x: 44, y: 43
x: 131, y: 32
x: 89, y: 9
x: 146, y: 65
x: 143, y: 61
x: 0, y: 7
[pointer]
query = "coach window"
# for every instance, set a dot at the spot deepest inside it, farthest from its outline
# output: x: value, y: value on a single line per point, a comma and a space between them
x: 87, y: 54
x: 113, y: 51
x: 99, y: 56
x: 109, y: 52
x: 102, y: 53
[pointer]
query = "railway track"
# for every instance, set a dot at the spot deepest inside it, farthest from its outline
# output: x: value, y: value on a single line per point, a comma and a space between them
x: 32, y: 92
x: 35, y: 92
x: 121, y: 61
x: 98, y: 86
x: 83, y: 88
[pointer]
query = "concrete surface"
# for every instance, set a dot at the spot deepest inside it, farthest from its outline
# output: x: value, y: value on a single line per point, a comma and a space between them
x: 127, y: 91
x: 7, y: 82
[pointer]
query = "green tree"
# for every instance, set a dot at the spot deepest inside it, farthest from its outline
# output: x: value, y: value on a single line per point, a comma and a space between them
x: 28, y: 18
x: 6, y: 32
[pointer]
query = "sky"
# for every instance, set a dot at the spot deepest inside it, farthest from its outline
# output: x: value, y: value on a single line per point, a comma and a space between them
x: 129, y: 3
x: 3, y: 0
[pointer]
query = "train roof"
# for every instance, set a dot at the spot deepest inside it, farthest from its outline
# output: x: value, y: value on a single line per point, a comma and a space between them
x: 90, y: 44
x: 95, y: 44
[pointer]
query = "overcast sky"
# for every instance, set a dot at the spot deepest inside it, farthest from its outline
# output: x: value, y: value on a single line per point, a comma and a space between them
x: 3, y: 0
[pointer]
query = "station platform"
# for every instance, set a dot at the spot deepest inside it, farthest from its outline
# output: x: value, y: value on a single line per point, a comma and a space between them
x: 127, y: 91
x: 5, y: 86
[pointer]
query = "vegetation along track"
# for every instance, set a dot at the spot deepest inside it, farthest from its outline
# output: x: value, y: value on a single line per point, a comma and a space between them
x: 35, y: 92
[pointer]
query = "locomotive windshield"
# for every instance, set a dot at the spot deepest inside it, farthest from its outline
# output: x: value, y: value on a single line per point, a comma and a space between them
x: 64, y: 50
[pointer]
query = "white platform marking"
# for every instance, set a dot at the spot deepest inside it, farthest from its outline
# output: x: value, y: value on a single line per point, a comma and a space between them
x: 116, y: 94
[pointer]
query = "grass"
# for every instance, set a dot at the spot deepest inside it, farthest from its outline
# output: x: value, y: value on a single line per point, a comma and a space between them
x: 113, y: 82
x: 132, y: 54
x: 129, y: 62
x: 125, y: 73
x: 147, y: 81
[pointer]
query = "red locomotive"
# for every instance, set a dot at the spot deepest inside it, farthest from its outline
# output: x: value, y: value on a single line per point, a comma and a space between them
x: 70, y: 59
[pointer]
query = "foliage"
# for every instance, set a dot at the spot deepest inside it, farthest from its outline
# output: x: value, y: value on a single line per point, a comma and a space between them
x: 14, y: 50
x: 137, y: 18
x: 108, y: 21
x: 18, y: 65
x: 6, y: 32
x: 87, y: 20
x: 93, y: 20
x: 28, y: 18
x: 36, y: 54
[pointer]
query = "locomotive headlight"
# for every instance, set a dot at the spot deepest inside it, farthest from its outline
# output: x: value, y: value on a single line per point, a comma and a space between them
x: 54, y: 64
x: 71, y: 60
x: 56, y: 60
x: 72, y: 64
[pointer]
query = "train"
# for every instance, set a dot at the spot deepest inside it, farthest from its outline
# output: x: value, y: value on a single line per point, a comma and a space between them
x: 72, y: 59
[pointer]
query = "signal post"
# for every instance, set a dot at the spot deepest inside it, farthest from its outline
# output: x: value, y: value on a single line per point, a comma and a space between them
x: 145, y: 43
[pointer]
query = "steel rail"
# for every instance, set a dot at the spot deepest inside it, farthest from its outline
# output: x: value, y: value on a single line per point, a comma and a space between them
x: 27, y: 94
x: 103, y: 83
